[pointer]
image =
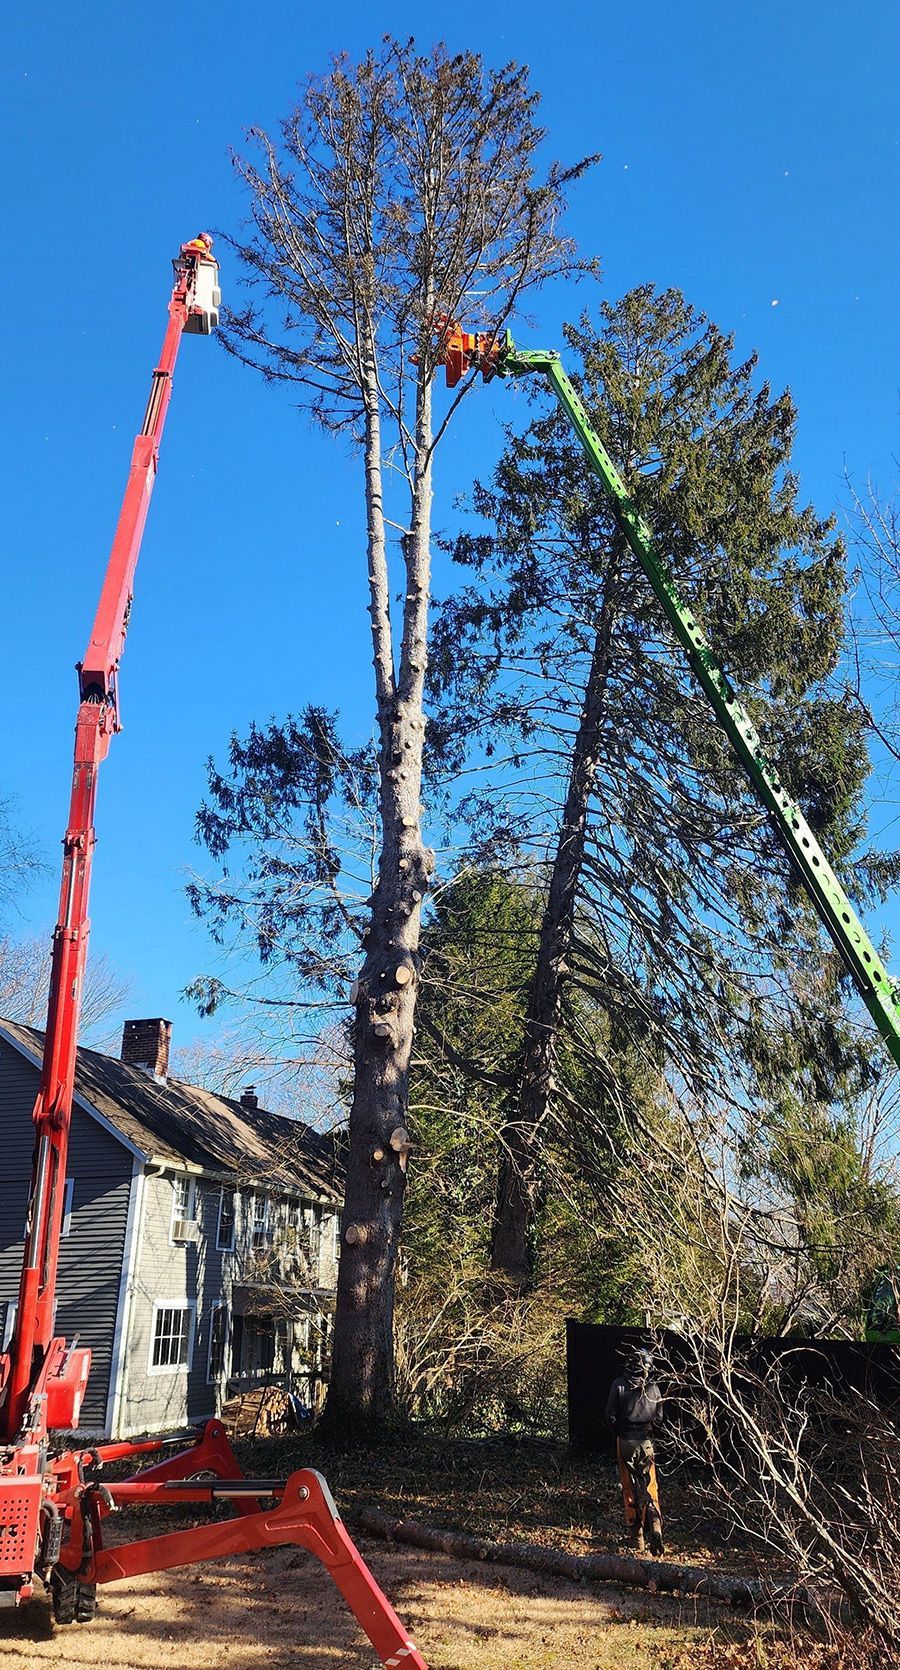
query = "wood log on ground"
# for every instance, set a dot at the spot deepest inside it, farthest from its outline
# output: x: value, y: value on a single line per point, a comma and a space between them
x: 578, y: 1568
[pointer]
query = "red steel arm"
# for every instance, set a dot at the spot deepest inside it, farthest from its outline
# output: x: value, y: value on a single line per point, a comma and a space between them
x: 98, y: 720
x: 52, y: 1506
x: 302, y: 1512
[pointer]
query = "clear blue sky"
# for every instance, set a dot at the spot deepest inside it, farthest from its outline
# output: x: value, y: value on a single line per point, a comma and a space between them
x: 751, y: 157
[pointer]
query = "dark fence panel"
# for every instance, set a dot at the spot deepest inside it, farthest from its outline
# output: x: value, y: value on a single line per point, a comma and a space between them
x: 596, y: 1353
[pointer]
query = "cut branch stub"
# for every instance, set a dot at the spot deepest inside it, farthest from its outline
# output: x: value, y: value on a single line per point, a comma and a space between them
x: 403, y: 974
x: 356, y: 1235
x: 355, y: 992
x: 401, y: 1143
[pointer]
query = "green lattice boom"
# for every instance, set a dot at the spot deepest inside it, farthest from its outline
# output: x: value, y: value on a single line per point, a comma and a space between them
x: 876, y: 986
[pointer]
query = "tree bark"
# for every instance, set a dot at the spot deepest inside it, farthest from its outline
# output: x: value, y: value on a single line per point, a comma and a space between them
x: 361, y: 1388
x: 517, y: 1180
x: 598, y: 1568
x: 403, y: 185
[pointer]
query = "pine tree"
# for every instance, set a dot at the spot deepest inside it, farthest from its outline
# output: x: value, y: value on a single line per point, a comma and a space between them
x: 399, y: 187
x: 668, y: 895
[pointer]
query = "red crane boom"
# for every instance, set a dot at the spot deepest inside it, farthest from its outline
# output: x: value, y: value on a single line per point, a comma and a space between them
x: 192, y: 306
x: 52, y: 1501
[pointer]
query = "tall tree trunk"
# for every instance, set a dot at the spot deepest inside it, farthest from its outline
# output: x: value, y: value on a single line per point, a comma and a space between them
x: 521, y: 1136
x: 361, y: 1389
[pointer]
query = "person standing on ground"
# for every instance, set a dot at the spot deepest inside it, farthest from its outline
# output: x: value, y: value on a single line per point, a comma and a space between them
x: 632, y: 1410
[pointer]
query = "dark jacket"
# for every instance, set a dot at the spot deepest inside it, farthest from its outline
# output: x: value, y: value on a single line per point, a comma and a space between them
x: 633, y: 1406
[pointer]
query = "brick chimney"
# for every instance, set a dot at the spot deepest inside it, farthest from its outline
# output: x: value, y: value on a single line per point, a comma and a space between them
x: 146, y: 1044
x: 249, y: 1098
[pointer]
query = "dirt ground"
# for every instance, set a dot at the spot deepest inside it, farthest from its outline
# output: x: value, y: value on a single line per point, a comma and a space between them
x: 280, y: 1610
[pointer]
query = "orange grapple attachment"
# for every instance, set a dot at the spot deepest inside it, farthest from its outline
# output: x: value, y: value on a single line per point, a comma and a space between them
x: 463, y: 351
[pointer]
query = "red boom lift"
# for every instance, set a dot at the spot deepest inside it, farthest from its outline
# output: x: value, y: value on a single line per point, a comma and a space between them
x: 53, y: 1499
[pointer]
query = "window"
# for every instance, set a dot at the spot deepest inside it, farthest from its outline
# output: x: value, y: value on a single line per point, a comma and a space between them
x: 173, y: 1329
x: 218, y: 1342
x: 184, y: 1198
x: 253, y: 1345
x: 9, y: 1323
x: 260, y: 1222
x: 184, y: 1209
x: 237, y: 1346
x: 67, y: 1206
x: 313, y: 1223
x: 225, y: 1225
x: 296, y: 1229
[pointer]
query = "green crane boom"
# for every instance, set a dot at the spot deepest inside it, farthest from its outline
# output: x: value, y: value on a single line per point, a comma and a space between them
x: 876, y: 986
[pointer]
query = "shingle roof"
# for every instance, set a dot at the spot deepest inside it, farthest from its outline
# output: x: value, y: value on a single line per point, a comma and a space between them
x: 184, y: 1124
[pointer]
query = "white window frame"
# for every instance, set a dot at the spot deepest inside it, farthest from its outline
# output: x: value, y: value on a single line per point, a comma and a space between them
x: 184, y: 1368
x: 189, y: 1215
x: 213, y: 1379
x: 226, y: 1246
x: 312, y: 1224
x: 12, y: 1311
x: 66, y: 1224
x: 260, y: 1225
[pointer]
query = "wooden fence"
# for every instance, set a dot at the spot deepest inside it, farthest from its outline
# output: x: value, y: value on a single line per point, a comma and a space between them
x: 596, y: 1353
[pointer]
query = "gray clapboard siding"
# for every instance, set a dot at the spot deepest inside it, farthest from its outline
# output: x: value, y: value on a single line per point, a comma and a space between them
x: 196, y: 1273
x: 91, y: 1255
x: 118, y: 1262
x: 214, y: 1287
x: 189, y: 1272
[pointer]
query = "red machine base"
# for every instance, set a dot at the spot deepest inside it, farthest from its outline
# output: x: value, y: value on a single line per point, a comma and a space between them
x: 267, y: 1514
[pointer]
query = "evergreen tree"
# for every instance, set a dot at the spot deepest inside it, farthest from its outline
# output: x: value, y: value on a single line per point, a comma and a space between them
x: 478, y: 953
x: 668, y: 895
x: 398, y: 186
x: 468, y: 1354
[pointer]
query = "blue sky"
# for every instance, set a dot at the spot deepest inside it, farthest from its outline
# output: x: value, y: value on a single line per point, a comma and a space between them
x: 751, y: 157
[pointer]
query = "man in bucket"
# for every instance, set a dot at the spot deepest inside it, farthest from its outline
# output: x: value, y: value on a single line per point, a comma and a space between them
x: 632, y: 1410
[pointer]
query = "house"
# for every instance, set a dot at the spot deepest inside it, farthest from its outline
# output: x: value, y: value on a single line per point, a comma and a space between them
x: 200, y: 1237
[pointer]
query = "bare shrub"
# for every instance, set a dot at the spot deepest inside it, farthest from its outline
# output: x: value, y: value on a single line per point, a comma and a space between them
x: 807, y: 1473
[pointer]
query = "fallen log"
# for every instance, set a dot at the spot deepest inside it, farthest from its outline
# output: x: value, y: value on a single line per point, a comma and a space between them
x: 653, y: 1575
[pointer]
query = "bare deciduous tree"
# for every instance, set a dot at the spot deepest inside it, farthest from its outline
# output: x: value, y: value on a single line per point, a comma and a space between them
x: 25, y: 987
x: 807, y: 1472
x: 876, y: 616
